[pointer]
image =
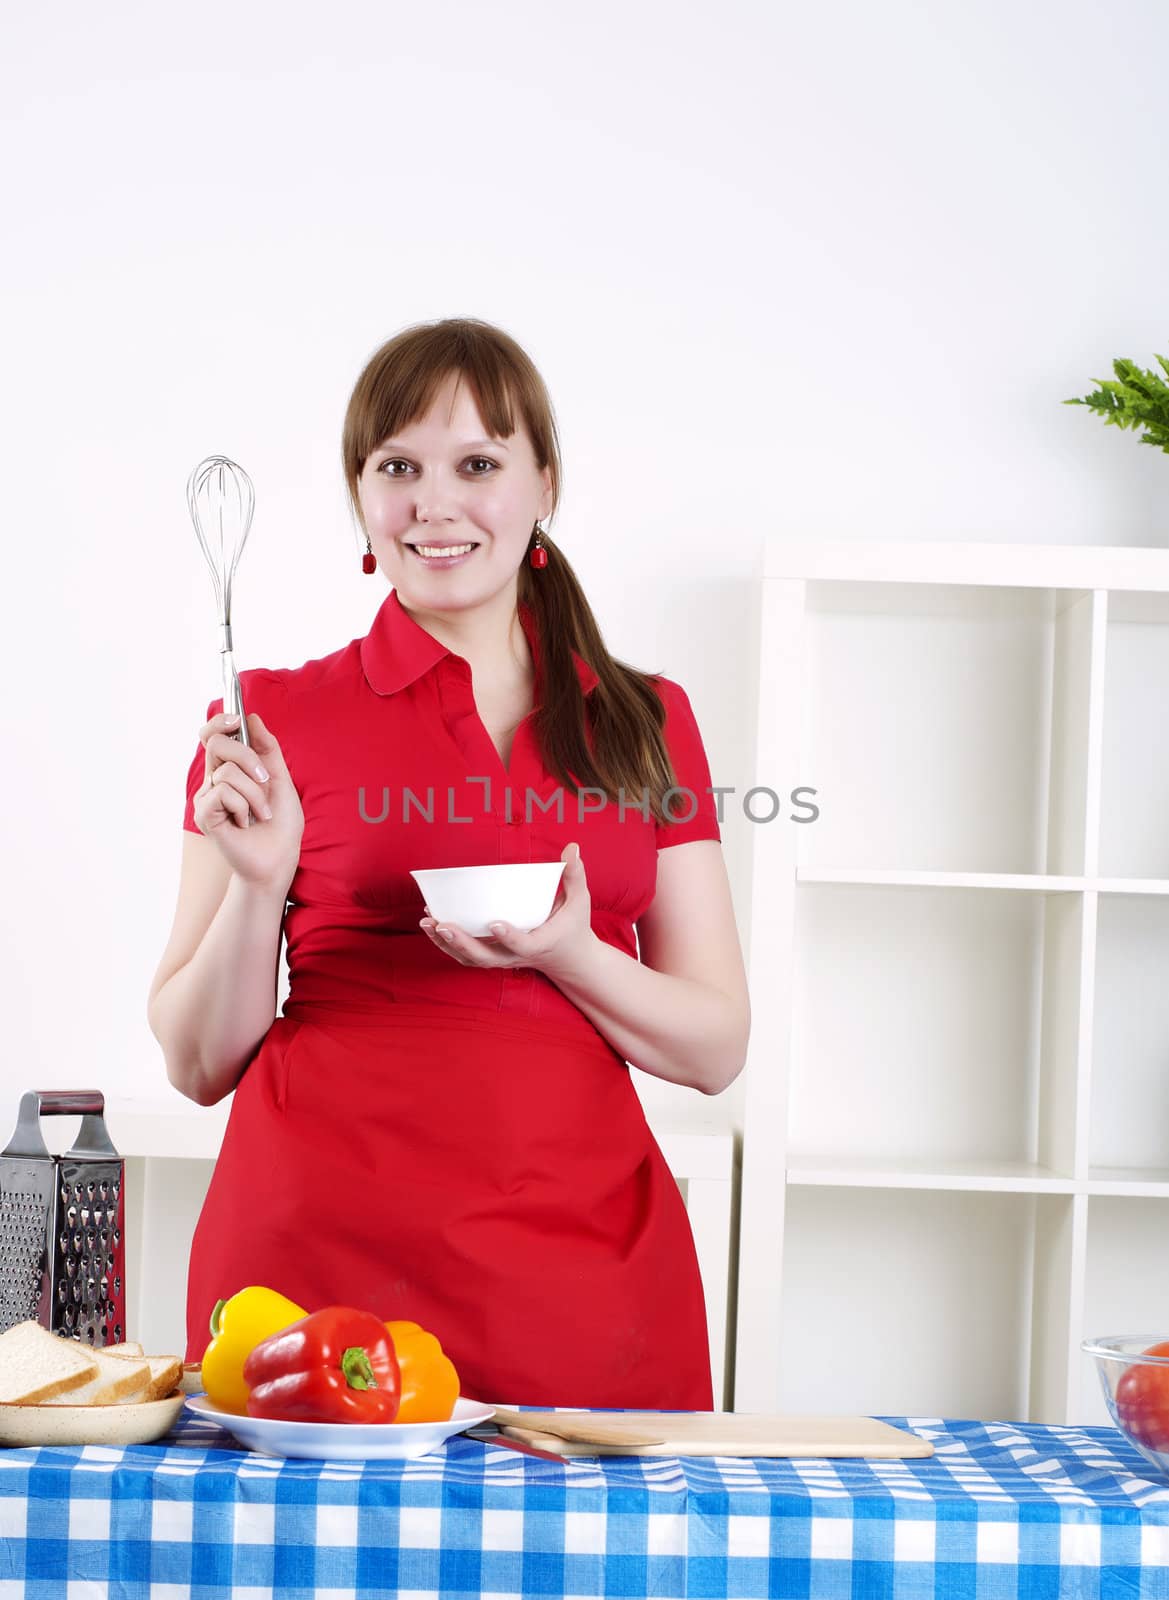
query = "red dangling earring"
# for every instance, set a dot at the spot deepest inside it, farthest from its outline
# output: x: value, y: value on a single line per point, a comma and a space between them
x: 368, y: 560
x: 539, y: 556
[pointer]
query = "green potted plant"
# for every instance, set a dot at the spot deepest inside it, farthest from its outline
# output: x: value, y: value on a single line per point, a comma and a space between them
x: 1136, y: 400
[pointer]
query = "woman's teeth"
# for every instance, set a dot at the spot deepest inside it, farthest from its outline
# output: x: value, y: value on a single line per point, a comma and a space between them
x: 443, y: 552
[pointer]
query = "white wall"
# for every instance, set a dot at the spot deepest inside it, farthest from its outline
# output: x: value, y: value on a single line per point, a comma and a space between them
x: 814, y: 270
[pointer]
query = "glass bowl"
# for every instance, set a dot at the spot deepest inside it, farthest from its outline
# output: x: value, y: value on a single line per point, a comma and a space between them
x: 1136, y: 1390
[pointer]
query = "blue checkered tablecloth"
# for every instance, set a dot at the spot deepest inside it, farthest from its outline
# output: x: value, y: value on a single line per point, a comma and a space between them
x: 1002, y: 1511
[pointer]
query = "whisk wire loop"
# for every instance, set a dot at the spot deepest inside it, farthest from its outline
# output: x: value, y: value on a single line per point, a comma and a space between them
x: 221, y: 499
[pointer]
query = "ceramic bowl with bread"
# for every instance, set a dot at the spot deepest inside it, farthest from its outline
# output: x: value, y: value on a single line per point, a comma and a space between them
x: 55, y: 1390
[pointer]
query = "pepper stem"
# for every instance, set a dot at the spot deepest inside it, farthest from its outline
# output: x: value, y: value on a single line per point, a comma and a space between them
x: 358, y: 1368
x: 215, y: 1316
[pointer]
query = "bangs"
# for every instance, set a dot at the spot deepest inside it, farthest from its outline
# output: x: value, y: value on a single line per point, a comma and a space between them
x: 400, y: 383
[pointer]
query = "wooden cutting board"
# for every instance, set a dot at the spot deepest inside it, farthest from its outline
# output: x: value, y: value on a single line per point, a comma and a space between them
x: 707, y: 1433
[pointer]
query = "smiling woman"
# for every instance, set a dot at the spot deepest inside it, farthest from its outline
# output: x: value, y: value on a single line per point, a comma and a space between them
x: 475, y: 1090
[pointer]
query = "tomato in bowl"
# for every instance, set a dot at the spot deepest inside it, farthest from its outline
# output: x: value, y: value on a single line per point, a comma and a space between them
x: 1134, y: 1374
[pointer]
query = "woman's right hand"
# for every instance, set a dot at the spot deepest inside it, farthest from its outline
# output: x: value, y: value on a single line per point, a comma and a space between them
x: 256, y: 823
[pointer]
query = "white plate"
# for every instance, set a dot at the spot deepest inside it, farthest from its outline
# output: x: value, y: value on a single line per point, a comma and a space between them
x: 126, y: 1424
x: 343, y: 1441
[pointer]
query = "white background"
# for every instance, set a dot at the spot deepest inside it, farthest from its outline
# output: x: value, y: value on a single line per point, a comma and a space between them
x: 816, y: 271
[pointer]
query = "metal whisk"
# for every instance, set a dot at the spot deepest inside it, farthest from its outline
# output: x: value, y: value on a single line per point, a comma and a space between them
x: 221, y: 499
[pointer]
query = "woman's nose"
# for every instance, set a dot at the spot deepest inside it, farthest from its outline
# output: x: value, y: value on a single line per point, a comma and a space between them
x: 436, y: 507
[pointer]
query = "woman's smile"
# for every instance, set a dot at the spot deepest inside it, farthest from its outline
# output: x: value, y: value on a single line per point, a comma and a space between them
x: 442, y: 556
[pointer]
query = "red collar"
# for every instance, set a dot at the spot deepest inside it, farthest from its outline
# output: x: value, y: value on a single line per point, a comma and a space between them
x: 397, y: 650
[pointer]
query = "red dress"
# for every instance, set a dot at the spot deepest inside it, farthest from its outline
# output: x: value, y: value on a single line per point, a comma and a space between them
x: 457, y: 1146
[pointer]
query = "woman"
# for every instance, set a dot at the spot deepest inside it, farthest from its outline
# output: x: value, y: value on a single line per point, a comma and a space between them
x: 443, y: 1127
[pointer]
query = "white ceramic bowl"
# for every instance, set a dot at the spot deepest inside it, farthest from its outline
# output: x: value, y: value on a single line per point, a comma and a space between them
x: 343, y: 1441
x: 520, y: 893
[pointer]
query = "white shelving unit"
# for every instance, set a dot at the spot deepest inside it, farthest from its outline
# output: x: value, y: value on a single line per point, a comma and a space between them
x: 956, y: 1134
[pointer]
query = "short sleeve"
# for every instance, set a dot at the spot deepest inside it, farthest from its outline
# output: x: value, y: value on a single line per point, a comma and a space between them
x: 691, y: 801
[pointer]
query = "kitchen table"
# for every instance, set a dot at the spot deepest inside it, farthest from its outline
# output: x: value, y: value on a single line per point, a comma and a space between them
x: 1000, y: 1510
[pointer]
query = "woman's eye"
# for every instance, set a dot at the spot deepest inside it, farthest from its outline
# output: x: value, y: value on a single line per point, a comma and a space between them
x: 396, y: 461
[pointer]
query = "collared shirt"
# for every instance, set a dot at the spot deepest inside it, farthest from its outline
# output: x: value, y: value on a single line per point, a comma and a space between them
x: 396, y: 771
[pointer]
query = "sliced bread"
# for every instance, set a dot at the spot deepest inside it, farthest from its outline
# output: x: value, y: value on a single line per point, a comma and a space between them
x: 117, y: 1381
x: 165, y: 1371
x: 37, y: 1365
x: 165, y: 1376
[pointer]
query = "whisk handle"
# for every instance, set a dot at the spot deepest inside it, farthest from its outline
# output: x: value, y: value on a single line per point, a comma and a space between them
x: 233, y: 700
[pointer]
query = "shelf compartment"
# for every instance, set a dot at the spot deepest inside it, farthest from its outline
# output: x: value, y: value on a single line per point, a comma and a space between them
x: 1134, y: 798
x: 1126, y: 1287
x: 935, y: 1029
x: 900, y: 1303
x: 945, y: 727
x: 1129, y: 1121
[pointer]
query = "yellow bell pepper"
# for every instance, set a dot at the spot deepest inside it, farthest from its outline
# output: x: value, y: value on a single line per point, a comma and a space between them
x: 430, y: 1384
x: 238, y: 1325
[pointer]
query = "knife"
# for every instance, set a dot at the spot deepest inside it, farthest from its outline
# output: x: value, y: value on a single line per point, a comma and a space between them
x: 514, y: 1444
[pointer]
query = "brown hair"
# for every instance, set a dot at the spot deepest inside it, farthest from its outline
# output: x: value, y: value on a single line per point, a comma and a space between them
x: 614, y: 741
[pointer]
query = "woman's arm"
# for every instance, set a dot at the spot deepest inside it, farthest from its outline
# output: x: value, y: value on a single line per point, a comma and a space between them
x: 213, y: 997
x: 682, y: 1012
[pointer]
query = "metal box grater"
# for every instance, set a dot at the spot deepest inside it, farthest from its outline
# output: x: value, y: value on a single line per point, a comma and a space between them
x: 62, y: 1245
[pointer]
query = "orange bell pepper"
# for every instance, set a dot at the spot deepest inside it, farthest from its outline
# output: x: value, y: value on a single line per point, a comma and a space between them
x: 430, y: 1384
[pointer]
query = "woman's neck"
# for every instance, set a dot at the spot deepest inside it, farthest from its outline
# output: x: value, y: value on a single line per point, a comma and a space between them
x: 489, y: 637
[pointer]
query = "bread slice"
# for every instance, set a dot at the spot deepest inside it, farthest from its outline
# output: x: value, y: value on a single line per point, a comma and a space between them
x: 165, y: 1371
x: 37, y: 1365
x: 165, y: 1376
x: 118, y: 1381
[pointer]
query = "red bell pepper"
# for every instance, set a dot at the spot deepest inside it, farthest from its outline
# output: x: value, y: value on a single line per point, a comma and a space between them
x: 337, y: 1365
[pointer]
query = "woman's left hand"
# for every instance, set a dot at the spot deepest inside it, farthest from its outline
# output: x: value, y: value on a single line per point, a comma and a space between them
x: 556, y: 945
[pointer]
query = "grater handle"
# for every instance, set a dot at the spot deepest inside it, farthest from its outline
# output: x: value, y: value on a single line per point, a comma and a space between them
x: 68, y: 1102
x: 92, y: 1138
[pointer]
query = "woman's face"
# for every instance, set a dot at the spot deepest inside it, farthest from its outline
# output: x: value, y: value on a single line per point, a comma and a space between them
x: 442, y: 481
